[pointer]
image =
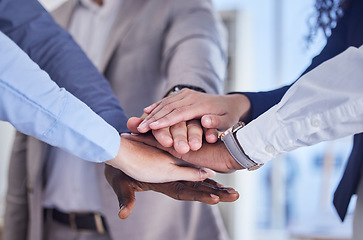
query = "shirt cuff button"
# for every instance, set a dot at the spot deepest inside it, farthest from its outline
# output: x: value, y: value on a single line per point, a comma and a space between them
x: 315, y: 122
x: 270, y: 149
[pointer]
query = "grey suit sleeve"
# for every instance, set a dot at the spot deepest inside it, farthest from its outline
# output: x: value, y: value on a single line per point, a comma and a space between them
x: 16, y: 211
x: 194, y: 50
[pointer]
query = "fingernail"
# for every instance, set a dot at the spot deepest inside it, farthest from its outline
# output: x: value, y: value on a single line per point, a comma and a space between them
x: 142, y: 126
x: 134, y: 134
x: 210, y: 172
x: 231, y: 191
x: 181, y: 144
x: 183, y: 147
x: 214, y: 196
x: 203, y: 174
x: 125, y: 134
x: 207, y: 121
x: 220, y: 185
x: 194, y: 140
x: 121, y: 206
x: 149, y: 107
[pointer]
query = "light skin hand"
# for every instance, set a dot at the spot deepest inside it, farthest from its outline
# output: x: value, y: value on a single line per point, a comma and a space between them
x: 213, y: 156
x: 215, y: 111
x: 184, y: 136
x: 207, y: 191
x: 148, y: 164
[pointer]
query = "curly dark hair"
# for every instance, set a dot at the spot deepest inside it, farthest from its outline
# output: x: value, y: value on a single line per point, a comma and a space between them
x: 325, y: 17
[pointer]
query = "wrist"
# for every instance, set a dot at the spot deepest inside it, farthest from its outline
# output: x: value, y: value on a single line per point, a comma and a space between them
x: 179, y: 87
x: 117, y: 162
x: 242, y: 106
x: 235, y: 149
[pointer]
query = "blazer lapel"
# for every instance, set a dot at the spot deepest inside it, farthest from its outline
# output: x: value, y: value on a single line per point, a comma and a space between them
x: 130, y: 10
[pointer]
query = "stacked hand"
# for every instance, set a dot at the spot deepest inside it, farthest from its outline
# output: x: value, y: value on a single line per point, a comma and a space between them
x: 207, y: 191
x: 148, y: 164
x: 178, y: 123
x: 215, y: 111
x: 212, y: 156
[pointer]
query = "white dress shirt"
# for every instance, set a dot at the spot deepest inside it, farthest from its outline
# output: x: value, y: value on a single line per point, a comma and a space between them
x: 36, y: 106
x: 71, y: 183
x: 324, y: 104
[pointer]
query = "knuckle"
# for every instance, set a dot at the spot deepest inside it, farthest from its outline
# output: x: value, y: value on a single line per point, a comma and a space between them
x: 180, y: 188
x: 196, y: 184
x: 169, y: 107
x: 186, y: 91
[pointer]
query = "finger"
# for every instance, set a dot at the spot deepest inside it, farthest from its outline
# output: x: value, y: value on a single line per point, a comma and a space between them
x: 161, y: 104
x: 168, y: 116
x: 220, y: 122
x: 179, y: 135
x: 143, y: 138
x: 150, y: 108
x: 180, y: 108
x: 213, y: 183
x: 195, y: 134
x: 122, y: 186
x: 126, y: 210
x: 211, y: 135
x: 181, y: 191
x: 132, y: 124
x: 163, y: 136
x: 178, y: 114
x: 226, y: 194
x: 169, y: 99
x: 188, y: 174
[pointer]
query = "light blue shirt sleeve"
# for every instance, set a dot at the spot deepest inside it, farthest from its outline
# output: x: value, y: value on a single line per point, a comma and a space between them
x: 36, y: 106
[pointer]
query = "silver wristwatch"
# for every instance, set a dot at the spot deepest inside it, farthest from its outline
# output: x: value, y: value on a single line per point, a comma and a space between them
x: 229, y: 139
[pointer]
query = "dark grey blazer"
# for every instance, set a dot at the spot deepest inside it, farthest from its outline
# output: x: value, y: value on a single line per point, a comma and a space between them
x: 154, y: 46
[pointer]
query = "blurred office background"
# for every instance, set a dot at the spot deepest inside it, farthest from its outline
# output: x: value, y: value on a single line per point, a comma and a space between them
x: 290, y: 197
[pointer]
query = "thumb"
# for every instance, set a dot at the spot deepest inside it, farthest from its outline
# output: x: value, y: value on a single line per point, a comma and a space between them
x: 150, y: 140
x: 127, y: 204
x: 126, y: 197
x: 122, y: 185
x: 147, y: 139
x: 220, y: 122
x: 191, y: 174
x: 133, y: 123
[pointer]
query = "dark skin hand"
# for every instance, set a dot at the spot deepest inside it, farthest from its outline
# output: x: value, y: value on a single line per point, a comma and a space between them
x: 207, y: 191
x: 213, y: 156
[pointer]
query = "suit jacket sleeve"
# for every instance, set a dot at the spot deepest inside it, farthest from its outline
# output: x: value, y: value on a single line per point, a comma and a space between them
x: 16, y: 212
x: 194, y: 50
x: 336, y: 44
x: 29, y: 25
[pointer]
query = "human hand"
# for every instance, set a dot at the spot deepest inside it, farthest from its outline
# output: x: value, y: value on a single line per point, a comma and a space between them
x: 207, y: 191
x: 216, y: 111
x: 213, y: 156
x: 148, y: 164
x: 184, y: 136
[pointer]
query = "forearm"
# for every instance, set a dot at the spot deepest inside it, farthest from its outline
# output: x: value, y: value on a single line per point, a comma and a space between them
x: 36, y: 106
x: 263, y: 101
x: 324, y: 104
x: 194, y: 51
x: 33, y: 29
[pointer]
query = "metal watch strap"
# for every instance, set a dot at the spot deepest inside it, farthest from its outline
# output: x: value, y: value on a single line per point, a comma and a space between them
x: 235, y: 150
